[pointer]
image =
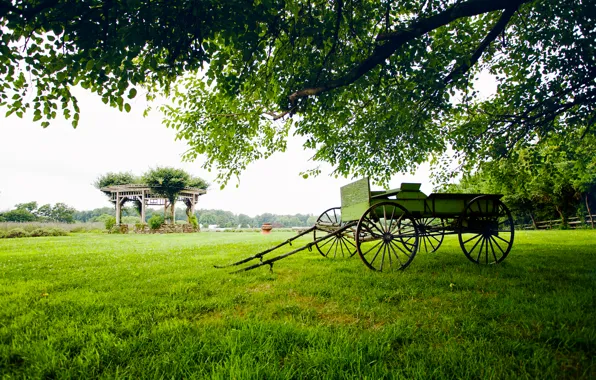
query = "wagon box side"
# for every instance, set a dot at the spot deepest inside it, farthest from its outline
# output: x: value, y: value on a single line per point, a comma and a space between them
x: 355, y: 200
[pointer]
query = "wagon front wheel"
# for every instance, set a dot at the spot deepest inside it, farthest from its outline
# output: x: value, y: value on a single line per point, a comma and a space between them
x: 486, y: 231
x: 339, y: 246
x: 387, y: 237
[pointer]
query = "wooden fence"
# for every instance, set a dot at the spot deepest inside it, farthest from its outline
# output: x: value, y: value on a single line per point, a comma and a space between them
x: 573, y: 222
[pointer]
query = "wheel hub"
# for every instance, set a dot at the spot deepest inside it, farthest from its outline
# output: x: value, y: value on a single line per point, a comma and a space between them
x: 387, y: 237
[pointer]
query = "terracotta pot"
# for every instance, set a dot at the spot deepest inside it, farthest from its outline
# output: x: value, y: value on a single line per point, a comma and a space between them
x: 266, y: 228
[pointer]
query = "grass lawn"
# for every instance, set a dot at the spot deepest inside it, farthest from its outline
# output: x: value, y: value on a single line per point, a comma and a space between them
x: 153, y: 306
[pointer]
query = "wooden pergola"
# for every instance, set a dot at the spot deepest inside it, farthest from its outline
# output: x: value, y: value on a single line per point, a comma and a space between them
x: 146, y: 196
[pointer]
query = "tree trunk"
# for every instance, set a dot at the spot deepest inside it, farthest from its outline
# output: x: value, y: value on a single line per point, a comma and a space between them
x: 589, y: 211
x: 533, y: 220
x: 563, y: 217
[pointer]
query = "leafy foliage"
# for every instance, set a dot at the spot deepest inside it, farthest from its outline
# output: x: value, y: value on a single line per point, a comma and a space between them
x: 18, y: 215
x: 542, y: 181
x: 109, y: 222
x: 111, y: 179
x: 377, y: 86
x: 155, y: 222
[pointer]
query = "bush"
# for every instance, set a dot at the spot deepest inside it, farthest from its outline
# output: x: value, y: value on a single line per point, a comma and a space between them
x: 57, y: 232
x: 194, y: 221
x: 2, y: 234
x: 17, y: 233
x: 155, y: 222
x: 110, y: 223
x: 40, y: 232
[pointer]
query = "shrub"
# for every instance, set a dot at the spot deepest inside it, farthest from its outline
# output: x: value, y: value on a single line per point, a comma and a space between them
x: 17, y: 233
x: 40, y: 232
x: 110, y: 223
x: 155, y: 222
x: 194, y: 221
x: 2, y: 234
x: 57, y: 232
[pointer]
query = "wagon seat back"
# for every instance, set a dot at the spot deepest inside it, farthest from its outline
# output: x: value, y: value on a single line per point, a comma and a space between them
x: 356, y: 198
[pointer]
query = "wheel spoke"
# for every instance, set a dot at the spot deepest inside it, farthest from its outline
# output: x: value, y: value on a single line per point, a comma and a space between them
x: 498, y: 237
x: 398, y: 225
x: 431, y: 244
x: 348, y: 241
x: 398, y: 247
x: 375, y: 226
x: 373, y: 247
x: 336, y: 245
x: 330, y: 247
x: 497, y: 244
x: 396, y: 255
x: 492, y: 249
x: 383, y: 257
x: 472, y: 238
x: 377, y: 254
x: 480, y: 251
x: 325, y: 243
x: 474, y: 247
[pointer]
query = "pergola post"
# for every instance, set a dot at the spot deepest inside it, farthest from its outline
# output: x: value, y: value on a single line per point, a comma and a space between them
x: 117, y: 208
x: 143, y: 207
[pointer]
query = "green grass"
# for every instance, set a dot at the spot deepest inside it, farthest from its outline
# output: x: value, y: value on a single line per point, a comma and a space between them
x: 153, y: 306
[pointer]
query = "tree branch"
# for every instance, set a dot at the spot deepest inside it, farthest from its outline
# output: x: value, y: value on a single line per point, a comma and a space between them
x: 397, y: 39
x: 491, y: 36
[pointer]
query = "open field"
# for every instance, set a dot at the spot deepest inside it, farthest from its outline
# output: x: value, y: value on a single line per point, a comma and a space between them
x: 93, y: 305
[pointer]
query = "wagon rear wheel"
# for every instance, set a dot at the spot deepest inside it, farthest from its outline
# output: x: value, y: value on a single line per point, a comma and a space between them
x: 339, y: 246
x: 486, y: 231
x: 431, y: 231
x: 387, y: 237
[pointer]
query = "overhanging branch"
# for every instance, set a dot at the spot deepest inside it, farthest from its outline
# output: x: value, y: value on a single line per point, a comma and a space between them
x: 492, y: 35
x: 397, y: 39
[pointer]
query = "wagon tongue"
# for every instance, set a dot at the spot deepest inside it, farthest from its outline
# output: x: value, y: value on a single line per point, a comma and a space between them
x: 332, y: 232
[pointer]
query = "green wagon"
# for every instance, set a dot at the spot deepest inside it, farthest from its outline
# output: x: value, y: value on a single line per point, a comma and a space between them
x: 388, y: 228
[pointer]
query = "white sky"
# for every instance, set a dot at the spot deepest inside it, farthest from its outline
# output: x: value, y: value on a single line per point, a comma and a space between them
x: 59, y: 164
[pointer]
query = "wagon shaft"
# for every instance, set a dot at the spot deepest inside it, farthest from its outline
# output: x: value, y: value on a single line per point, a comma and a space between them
x: 336, y: 233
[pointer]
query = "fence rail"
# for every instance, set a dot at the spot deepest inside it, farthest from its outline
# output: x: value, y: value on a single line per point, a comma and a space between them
x: 573, y: 222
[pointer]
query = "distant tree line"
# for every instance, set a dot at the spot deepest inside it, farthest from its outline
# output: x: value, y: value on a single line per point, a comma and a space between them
x: 542, y: 182
x: 60, y: 212
x: 205, y: 217
x: 31, y: 212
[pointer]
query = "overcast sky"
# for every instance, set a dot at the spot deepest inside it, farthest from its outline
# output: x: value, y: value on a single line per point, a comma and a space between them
x: 59, y: 164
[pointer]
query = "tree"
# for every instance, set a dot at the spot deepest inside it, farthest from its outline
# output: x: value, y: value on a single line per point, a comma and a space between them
x: 380, y: 86
x: 112, y: 179
x: 30, y: 206
x: 18, y: 215
x: 167, y: 182
x: 63, y: 213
